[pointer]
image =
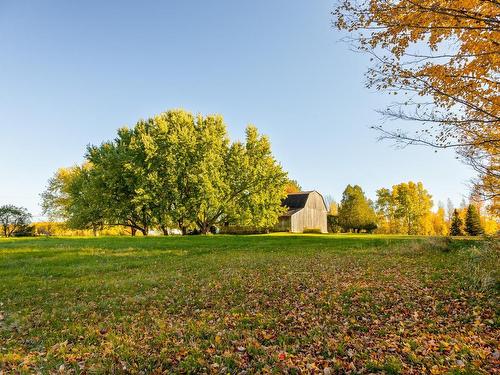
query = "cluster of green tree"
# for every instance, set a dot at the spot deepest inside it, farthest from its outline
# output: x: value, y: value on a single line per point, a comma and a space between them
x: 471, y: 225
x: 174, y: 170
x: 15, y: 221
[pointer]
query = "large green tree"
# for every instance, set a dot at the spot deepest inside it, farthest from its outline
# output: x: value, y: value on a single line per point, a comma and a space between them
x: 174, y: 169
x: 198, y: 178
x: 170, y: 144
x: 356, y: 212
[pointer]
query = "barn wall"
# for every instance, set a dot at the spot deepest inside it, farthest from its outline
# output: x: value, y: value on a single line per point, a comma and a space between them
x: 296, y: 222
x: 312, y: 216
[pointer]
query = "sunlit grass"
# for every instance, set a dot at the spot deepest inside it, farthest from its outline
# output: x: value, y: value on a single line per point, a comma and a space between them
x: 228, y: 303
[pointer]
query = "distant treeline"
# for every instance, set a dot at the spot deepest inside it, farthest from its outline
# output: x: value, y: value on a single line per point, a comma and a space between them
x: 406, y: 208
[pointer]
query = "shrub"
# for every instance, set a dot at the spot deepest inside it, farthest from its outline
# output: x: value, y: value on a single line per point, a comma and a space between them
x: 333, y: 223
x: 241, y: 229
x: 25, y: 231
x: 312, y: 230
x: 370, y: 227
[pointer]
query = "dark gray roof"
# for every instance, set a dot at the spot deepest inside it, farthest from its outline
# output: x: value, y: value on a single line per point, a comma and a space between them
x: 296, y: 201
x: 291, y: 212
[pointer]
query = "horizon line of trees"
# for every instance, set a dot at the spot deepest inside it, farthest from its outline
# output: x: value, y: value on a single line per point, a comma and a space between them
x: 392, y: 213
x: 406, y: 208
x: 174, y: 170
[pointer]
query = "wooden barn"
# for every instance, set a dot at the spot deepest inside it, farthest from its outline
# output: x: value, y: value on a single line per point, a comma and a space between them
x: 306, y: 211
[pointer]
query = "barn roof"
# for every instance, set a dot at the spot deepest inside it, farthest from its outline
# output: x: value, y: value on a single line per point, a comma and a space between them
x: 296, y: 201
x: 291, y: 212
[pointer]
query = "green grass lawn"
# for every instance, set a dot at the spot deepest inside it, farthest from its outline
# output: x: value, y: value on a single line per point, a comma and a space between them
x: 223, y: 304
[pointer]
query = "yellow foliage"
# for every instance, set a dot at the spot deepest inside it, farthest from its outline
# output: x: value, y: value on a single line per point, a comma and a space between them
x: 51, y: 228
x: 489, y: 224
x: 292, y: 186
x: 405, y: 209
x: 444, y: 55
x: 439, y: 225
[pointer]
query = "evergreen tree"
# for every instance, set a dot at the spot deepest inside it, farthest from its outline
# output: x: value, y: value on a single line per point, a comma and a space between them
x: 473, y: 221
x: 456, y: 224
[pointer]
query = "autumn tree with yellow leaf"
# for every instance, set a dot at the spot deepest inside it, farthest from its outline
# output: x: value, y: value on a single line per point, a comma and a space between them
x: 406, y: 209
x: 442, y: 57
x: 292, y: 186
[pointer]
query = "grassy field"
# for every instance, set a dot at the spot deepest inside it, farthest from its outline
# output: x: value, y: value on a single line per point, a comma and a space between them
x: 223, y: 304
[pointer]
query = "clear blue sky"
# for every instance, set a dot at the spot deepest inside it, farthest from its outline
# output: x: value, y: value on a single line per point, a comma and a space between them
x: 72, y: 72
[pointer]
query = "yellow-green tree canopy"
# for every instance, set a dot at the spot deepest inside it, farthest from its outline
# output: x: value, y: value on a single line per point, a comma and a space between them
x: 356, y: 212
x: 172, y: 170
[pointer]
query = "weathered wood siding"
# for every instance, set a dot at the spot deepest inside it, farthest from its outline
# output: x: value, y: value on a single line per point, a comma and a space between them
x: 283, y: 224
x: 312, y: 216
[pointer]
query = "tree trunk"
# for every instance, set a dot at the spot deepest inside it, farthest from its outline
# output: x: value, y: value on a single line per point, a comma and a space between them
x: 204, y: 228
x: 133, y: 231
x: 164, y: 229
x: 144, y: 232
x: 183, y: 229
